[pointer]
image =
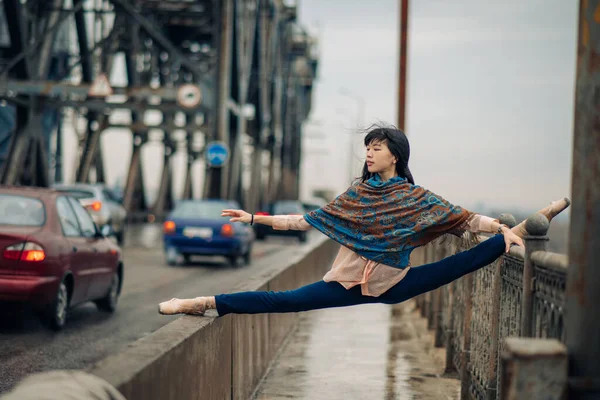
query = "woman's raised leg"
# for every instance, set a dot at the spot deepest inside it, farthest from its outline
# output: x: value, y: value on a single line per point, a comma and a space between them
x: 432, y: 276
x: 310, y: 297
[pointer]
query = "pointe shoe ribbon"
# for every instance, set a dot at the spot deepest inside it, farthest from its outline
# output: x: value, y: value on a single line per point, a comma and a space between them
x: 179, y: 306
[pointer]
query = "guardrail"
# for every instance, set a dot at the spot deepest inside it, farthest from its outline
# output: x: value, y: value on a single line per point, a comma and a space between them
x: 520, y: 294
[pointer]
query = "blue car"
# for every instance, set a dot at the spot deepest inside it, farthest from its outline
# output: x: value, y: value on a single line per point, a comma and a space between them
x: 196, y: 227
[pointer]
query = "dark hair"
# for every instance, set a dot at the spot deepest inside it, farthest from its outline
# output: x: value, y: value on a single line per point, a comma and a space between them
x: 397, y: 142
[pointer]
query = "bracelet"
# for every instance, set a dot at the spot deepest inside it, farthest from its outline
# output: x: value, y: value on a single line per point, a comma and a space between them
x: 252, y: 220
x: 500, y: 228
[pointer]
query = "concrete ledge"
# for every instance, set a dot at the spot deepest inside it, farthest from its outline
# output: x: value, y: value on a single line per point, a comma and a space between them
x: 215, y: 358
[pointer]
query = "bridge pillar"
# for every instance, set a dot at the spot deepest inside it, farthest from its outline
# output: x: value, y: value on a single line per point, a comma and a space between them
x: 583, y: 279
x: 164, y: 198
x: 134, y: 199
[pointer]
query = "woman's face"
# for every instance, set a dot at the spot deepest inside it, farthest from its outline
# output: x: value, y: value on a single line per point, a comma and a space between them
x: 379, y: 157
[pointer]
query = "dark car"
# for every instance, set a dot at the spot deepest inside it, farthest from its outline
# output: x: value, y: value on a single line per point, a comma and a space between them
x: 196, y: 227
x: 284, y: 207
x: 53, y: 255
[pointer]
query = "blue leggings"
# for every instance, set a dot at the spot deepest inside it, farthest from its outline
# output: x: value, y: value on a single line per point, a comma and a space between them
x: 332, y: 294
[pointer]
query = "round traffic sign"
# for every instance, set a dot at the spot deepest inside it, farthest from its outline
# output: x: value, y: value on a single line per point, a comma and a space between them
x: 217, y: 154
x: 189, y: 96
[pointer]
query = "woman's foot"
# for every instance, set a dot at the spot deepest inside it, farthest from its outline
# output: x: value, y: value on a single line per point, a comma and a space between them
x: 195, y: 306
x: 551, y: 211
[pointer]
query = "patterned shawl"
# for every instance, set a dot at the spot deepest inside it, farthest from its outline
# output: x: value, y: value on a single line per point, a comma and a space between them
x: 385, y: 221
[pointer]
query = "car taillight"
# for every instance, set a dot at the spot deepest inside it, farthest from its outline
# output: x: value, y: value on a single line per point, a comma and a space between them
x: 262, y: 213
x: 27, y: 251
x: 227, y: 230
x: 169, y: 227
x: 95, y: 206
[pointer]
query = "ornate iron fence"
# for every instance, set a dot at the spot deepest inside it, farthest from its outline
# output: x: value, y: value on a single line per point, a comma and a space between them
x: 520, y: 294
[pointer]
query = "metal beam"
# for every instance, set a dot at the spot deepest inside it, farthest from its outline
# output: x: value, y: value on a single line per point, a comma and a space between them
x: 102, y: 106
x: 216, y: 178
x: 163, y: 201
x: 32, y: 47
x: 583, y: 278
x: 11, y: 88
x: 161, y: 39
x: 133, y: 193
x: 245, y: 26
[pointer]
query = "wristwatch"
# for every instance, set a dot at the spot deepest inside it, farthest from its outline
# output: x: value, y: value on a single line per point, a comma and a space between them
x: 500, y: 228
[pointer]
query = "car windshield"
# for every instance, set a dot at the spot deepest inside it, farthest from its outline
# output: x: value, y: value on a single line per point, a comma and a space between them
x: 79, y: 194
x: 288, y: 207
x: 21, y: 211
x: 200, y: 209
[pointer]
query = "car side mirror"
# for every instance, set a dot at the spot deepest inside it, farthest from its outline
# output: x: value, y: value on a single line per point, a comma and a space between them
x: 107, y: 231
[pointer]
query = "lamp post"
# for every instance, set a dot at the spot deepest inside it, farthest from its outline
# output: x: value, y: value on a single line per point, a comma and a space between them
x: 358, y: 121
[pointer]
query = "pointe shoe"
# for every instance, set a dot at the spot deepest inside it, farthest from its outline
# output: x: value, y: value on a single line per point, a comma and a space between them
x: 182, y: 306
x: 555, y: 208
x: 551, y: 211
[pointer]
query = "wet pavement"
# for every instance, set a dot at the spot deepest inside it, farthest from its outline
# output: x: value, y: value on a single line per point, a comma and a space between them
x: 364, y: 352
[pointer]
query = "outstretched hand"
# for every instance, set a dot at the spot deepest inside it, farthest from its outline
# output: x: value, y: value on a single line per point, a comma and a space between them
x: 511, y: 238
x: 237, y: 215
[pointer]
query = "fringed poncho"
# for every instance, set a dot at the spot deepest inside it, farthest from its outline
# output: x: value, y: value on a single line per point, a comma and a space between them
x: 385, y: 221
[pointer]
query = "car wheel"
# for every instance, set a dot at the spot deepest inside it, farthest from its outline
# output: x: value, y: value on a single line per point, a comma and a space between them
x: 109, y: 302
x: 57, y: 311
x: 173, y: 257
x: 187, y: 259
x: 302, y: 237
x: 248, y: 256
x: 233, y: 260
x: 260, y: 236
x: 120, y: 237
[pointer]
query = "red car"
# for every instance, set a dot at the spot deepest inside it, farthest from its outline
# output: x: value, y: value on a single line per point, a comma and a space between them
x: 53, y: 256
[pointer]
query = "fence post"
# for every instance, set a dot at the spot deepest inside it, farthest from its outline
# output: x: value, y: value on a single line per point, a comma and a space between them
x: 492, y: 370
x: 534, y: 369
x: 440, y: 306
x: 424, y: 300
x: 465, y: 377
x: 432, y: 295
x: 537, y: 227
x: 450, y: 331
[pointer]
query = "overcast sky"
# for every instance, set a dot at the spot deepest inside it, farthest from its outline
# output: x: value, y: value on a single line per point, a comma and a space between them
x: 490, y: 94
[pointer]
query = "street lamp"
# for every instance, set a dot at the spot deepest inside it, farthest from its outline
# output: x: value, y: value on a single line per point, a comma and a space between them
x: 358, y: 120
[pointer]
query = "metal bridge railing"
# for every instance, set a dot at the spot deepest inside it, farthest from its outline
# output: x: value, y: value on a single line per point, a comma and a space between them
x: 520, y: 294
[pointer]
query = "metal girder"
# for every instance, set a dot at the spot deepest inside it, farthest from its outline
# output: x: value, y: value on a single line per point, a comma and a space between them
x: 245, y: 29
x: 160, y: 38
x: 259, y: 62
x: 192, y: 155
x: 60, y: 90
x: 215, y: 184
x: 164, y: 197
x: 134, y: 199
x: 102, y: 106
x: 91, y: 148
x: 267, y: 40
x: 27, y: 161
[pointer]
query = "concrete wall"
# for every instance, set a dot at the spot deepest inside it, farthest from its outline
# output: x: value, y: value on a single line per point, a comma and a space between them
x: 215, y: 358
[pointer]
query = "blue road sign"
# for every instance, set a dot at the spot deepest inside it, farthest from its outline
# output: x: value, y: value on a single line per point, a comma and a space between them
x: 217, y: 154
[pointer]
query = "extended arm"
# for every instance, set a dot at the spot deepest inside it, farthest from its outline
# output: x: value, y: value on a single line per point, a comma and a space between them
x: 278, y: 222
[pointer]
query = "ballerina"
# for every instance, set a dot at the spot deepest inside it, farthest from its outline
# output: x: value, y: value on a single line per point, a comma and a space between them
x: 378, y: 221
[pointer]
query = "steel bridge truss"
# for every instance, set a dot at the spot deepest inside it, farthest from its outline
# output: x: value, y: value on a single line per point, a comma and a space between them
x: 236, y: 71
